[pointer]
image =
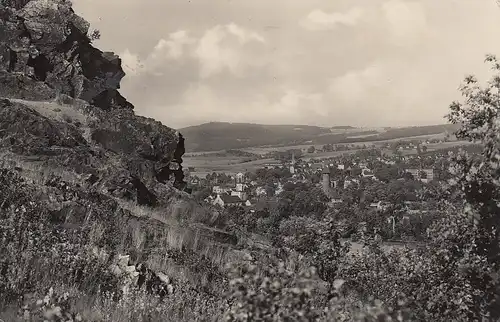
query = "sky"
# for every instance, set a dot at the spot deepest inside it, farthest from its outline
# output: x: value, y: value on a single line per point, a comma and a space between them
x: 369, y: 63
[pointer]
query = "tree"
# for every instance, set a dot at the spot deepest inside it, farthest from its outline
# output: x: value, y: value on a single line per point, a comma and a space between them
x: 477, y: 180
x: 202, y: 194
x: 94, y: 35
x: 311, y: 149
x: 456, y: 276
x: 386, y: 173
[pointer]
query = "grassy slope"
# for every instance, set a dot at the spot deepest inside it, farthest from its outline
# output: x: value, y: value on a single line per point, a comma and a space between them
x: 79, y: 218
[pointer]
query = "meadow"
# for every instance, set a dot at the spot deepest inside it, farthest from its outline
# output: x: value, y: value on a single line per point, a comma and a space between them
x: 216, y: 161
x: 204, y: 164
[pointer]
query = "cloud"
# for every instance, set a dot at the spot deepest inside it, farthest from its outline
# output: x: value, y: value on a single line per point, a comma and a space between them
x: 219, y: 49
x: 396, y: 62
x: 291, y: 107
x: 166, y: 50
x: 320, y: 20
x: 406, y: 20
x: 354, y: 85
x: 173, y: 47
x: 224, y: 48
x: 130, y: 63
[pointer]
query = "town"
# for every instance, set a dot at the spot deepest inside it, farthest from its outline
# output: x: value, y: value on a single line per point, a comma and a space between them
x: 390, y: 190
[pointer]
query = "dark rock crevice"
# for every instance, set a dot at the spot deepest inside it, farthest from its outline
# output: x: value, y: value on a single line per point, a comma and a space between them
x: 144, y: 196
x: 12, y: 60
x: 41, y: 66
x: 111, y: 98
x: 174, y: 168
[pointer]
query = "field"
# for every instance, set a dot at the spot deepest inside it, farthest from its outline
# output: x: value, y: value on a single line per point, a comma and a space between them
x: 213, y: 162
x: 229, y: 165
x: 220, y: 161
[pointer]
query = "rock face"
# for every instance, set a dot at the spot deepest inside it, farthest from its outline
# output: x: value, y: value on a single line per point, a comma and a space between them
x: 45, y: 44
x: 60, y: 107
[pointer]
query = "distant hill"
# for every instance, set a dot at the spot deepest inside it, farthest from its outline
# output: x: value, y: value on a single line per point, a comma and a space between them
x: 215, y: 136
x: 220, y: 135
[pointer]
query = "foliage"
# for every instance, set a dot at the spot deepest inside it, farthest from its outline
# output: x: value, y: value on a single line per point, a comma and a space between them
x: 275, y: 291
x: 455, y: 277
x: 270, y: 293
x: 477, y: 179
x: 94, y: 35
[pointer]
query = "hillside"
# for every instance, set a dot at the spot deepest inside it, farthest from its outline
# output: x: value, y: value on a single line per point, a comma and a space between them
x: 83, y: 180
x: 217, y: 136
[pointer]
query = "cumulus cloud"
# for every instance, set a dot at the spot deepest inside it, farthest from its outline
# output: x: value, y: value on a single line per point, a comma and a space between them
x: 291, y: 107
x: 166, y: 50
x: 219, y: 49
x: 224, y: 48
x: 354, y: 85
x: 406, y: 20
x: 320, y: 20
x: 173, y: 47
x: 399, y: 62
x: 130, y: 63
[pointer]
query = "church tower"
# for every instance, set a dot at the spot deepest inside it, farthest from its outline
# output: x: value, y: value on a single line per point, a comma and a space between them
x: 326, y: 181
x: 292, y: 167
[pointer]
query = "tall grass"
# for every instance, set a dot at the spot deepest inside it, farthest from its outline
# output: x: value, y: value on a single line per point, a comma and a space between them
x: 37, y: 255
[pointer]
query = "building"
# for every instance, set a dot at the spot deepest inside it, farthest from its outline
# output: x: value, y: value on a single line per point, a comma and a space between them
x: 292, y: 166
x: 240, y: 192
x: 325, y: 183
x: 225, y: 200
x: 194, y: 181
x: 380, y: 206
x: 240, y: 178
x: 260, y: 191
x: 367, y: 173
x: 424, y: 175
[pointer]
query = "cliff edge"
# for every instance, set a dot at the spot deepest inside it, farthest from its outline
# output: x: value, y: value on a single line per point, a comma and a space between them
x: 78, y: 148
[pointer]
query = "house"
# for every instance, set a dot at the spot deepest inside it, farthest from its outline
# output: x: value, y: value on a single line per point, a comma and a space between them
x: 194, y: 181
x: 424, y: 175
x: 239, y: 191
x: 250, y: 202
x: 225, y: 200
x: 367, y: 173
x: 209, y: 199
x: 279, y: 188
x: 219, y: 189
x: 260, y: 191
x: 381, y: 205
x: 335, y: 198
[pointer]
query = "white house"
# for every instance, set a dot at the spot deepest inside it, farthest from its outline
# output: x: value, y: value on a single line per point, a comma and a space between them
x: 225, y: 200
x: 367, y: 173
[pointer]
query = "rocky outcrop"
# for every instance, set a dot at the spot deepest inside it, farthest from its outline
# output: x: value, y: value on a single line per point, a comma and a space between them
x: 44, y: 44
x: 61, y: 108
